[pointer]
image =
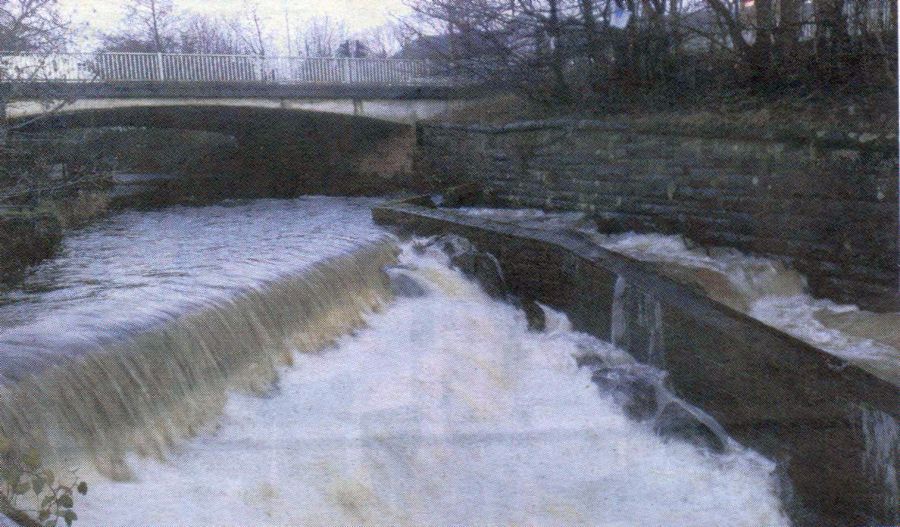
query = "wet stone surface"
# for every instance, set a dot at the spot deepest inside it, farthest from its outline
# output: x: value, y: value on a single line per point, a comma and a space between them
x: 634, y: 387
x: 403, y: 284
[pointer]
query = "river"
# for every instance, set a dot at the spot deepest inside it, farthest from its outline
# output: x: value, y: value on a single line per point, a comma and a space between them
x: 247, y: 363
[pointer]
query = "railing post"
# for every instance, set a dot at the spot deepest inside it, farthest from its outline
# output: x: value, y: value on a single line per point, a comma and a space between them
x: 161, y: 71
x: 348, y: 76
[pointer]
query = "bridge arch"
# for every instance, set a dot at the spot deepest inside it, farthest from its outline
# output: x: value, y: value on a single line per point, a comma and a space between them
x: 279, y: 152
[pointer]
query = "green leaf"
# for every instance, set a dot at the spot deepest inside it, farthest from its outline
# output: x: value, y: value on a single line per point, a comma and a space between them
x: 65, y: 501
x: 47, y: 501
x: 48, y: 475
x: 82, y: 488
x: 32, y: 459
x: 21, y: 488
x: 43, y: 515
x: 69, y: 516
x: 37, y: 484
x: 50, y: 523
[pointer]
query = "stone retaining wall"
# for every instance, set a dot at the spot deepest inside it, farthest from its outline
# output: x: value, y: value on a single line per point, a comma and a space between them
x: 828, y: 205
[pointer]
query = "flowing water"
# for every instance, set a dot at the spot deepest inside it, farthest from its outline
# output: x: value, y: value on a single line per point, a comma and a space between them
x: 130, y: 340
x: 167, y: 356
x: 445, y: 410
x: 765, y: 289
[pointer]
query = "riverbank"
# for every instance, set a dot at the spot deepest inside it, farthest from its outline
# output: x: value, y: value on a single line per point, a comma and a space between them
x: 31, y: 235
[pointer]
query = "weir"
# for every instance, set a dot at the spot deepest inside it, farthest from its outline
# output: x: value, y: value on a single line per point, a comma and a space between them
x: 830, y: 425
x: 161, y: 386
x: 565, y: 379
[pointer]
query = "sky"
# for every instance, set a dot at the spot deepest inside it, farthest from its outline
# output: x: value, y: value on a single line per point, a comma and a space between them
x: 105, y: 15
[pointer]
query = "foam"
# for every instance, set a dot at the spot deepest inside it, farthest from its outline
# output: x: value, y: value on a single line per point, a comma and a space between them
x: 445, y: 410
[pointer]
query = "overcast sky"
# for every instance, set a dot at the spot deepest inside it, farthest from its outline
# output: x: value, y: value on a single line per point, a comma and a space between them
x: 104, y: 15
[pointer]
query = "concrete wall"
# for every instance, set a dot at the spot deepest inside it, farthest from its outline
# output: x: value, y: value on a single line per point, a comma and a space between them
x: 811, y: 412
x: 827, y: 204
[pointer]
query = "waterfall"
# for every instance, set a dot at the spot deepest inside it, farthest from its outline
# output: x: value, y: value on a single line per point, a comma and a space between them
x: 637, y: 323
x: 881, y: 436
x: 162, y: 385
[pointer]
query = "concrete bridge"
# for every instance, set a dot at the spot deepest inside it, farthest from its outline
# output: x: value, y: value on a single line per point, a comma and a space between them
x: 393, y: 90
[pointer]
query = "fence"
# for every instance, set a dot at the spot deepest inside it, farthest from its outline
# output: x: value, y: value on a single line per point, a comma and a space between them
x: 169, y: 67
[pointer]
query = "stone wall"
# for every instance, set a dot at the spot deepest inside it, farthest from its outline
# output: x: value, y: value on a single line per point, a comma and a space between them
x: 827, y: 204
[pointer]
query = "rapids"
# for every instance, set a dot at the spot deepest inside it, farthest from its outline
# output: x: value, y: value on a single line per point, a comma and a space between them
x: 248, y: 364
x: 763, y: 288
x: 445, y: 410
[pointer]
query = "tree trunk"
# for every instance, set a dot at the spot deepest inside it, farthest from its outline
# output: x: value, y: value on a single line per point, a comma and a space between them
x: 557, y: 60
x: 762, y: 46
x: 787, y: 34
x: 591, y: 42
x: 4, y: 124
x: 154, y: 17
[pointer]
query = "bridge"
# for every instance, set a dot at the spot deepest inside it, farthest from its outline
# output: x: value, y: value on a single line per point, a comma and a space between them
x: 392, y: 90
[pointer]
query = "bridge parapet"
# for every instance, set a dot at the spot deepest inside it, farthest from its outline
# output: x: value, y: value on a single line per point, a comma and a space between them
x: 200, y: 68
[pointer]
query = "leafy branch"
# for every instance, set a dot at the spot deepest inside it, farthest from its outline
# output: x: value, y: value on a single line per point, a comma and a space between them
x: 24, y: 478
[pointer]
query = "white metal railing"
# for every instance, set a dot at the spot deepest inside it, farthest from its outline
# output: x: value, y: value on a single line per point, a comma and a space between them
x: 172, y: 67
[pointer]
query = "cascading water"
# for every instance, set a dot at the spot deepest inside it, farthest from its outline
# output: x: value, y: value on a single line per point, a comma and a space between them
x: 637, y: 324
x: 765, y: 289
x: 446, y: 409
x: 182, y: 373
x: 101, y: 396
x: 881, y: 435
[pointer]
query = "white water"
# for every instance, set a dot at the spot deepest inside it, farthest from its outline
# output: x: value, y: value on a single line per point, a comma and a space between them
x: 772, y: 293
x: 760, y: 287
x: 637, y: 315
x: 445, y: 410
x: 882, y: 437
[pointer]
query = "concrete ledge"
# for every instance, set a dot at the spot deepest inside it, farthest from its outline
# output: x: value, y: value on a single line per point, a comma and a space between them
x: 213, y: 90
x: 794, y: 403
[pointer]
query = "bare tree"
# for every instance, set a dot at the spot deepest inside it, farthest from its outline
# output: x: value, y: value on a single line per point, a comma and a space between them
x: 205, y: 34
x: 33, y: 33
x: 37, y: 28
x: 149, y: 26
x: 321, y: 37
x: 383, y: 41
x: 567, y: 51
x: 250, y: 30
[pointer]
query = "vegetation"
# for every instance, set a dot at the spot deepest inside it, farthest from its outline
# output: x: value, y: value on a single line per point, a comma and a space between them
x: 49, y: 498
x: 613, y: 54
x: 159, y: 26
